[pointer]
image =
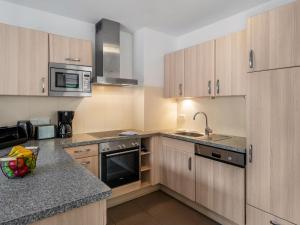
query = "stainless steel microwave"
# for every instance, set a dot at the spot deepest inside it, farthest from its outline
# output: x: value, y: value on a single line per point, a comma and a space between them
x: 69, y: 80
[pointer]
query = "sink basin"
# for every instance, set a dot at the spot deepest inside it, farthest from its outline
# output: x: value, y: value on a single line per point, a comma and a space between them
x: 189, y: 134
x: 215, y: 137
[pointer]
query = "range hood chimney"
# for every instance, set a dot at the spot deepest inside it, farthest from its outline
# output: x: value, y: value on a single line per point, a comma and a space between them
x: 108, y: 55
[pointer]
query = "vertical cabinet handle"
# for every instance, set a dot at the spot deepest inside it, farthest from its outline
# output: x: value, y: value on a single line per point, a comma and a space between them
x: 251, y: 59
x: 250, y: 154
x: 274, y: 222
x: 190, y: 164
x: 180, y: 90
x: 209, y: 87
x: 43, y: 84
x: 218, y: 86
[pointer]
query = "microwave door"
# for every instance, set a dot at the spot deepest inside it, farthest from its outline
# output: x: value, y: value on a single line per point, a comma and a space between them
x: 66, y: 80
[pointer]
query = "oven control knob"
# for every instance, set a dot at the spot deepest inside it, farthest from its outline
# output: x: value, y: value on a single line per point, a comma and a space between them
x: 132, y: 143
x: 123, y: 145
x: 119, y: 146
x: 107, y: 149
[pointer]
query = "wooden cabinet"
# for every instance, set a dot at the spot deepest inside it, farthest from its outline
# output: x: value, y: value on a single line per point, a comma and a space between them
x: 86, y: 156
x: 274, y: 38
x: 23, y: 61
x: 92, y: 214
x: 178, y: 167
x: 258, y: 217
x: 174, y: 75
x: 221, y: 188
x: 70, y: 50
x: 199, y: 70
x: 273, y: 171
x: 231, y: 64
x: 156, y: 159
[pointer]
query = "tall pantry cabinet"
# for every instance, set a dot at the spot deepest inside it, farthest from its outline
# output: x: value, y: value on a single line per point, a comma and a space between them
x: 273, y: 118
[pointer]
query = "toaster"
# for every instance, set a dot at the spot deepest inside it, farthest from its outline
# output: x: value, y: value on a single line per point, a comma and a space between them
x: 45, y: 131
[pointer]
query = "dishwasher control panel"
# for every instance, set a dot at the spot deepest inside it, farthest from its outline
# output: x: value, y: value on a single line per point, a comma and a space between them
x: 221, y: 155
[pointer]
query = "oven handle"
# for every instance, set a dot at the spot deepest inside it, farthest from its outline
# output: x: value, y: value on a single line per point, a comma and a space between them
x: 122, y: 153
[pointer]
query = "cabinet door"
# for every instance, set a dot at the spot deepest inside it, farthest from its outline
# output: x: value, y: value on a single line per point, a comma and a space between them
x: 258, y: 217
x: 156, y: 159
x: 221, y: 188
x: 178, y: 167
x: 199, y: 70
x: 273, y: 175
x: 273, y: 38
x: 231, y: 68
x: 174, y: 74
x: 70, y: 50
x: 23, y: 61
x: 91, y: 163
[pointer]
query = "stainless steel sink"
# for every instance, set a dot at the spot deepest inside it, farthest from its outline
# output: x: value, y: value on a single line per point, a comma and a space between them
x: 215, y: 137
x: 189, y: 134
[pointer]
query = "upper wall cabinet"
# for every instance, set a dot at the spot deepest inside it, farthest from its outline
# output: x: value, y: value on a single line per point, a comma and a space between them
x: 231, y: 68
x: 199, y: 67
x: 174, y: 74
x: 70, y: 50
x: 23, y: 61
x: 274, y: 38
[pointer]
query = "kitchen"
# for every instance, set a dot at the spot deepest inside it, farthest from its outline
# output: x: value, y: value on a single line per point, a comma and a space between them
x: 185, y: 119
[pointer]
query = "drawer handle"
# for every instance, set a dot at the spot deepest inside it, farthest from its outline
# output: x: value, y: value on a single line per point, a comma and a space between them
x: 190, y: 164
x: 85, y: 163
x: 82, y: 151
x: 274, y: 223
x: 216, y: 155
x: 73, y: 59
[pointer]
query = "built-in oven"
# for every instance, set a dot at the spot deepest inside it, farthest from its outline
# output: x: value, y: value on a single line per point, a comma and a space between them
x: 120, y: 162
x: 69, y: 80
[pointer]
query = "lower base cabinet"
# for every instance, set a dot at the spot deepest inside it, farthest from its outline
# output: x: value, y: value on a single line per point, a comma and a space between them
x: 178, y: 167
x: 220, y: 187
x: 92, y: 214
x: 258, y: 217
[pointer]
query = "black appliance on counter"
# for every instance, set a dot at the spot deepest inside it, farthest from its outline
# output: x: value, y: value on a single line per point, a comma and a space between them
x: 28, y: 128
x: 65, y: 118
x: 13, y: 135
x: 120, y: 162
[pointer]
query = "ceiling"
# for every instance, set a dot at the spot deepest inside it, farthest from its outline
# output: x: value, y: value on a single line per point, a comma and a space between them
x: 174, y: 17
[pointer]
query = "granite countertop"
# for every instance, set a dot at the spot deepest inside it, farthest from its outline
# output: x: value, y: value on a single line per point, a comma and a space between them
x: 234, y: 143
x: 57, y: 185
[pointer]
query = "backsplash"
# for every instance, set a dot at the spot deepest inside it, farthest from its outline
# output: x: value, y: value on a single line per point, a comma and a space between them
x: 109, y: 108
x: 226, y: 115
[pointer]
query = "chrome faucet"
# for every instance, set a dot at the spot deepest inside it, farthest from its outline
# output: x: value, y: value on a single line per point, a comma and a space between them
x: 208, y: 130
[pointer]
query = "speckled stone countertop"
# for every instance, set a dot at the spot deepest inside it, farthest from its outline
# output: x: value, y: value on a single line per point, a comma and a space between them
x: 57, y: 185
x: 235, y: 144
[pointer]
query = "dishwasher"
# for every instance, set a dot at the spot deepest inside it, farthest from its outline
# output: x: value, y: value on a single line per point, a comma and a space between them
x: 220, y: 182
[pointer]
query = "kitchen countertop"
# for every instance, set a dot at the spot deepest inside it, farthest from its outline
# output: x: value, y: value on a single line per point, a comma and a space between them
x: 59, y: 183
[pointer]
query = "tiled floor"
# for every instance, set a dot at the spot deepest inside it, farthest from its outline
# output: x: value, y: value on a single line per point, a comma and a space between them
x: 156, y: 209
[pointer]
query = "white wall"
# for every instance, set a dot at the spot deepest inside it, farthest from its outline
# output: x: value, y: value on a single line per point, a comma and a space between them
x: 149, y: 49
x: 231, y: 24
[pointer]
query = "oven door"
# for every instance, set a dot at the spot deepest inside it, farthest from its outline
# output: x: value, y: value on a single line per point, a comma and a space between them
x: 63, y: 80
x: 120, y: 167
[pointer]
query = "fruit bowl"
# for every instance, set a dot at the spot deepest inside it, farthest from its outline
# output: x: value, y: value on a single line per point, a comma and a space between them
x: 19, y: 162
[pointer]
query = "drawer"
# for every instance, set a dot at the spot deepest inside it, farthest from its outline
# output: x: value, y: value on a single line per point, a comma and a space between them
x: 258, y: 217
x: 91, y: 163
x: 83, y: 151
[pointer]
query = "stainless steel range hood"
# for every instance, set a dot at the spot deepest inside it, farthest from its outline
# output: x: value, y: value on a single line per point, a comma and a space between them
x: 108, y: 55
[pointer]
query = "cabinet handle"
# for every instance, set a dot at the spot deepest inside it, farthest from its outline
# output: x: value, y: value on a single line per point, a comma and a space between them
x: 209, y: 87
x: 251, y: 59
x: 85, y: 163
x: 81, y: 151
x: 43, y: 84
x: 180, y: 89
x: 190, y: 164
x: 218, y: 86
x: 73, y: 59
x: 274, y: 222
x: 250, y: 154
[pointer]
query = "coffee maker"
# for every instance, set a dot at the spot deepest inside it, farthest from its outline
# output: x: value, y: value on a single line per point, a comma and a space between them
x: 65, y: 123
